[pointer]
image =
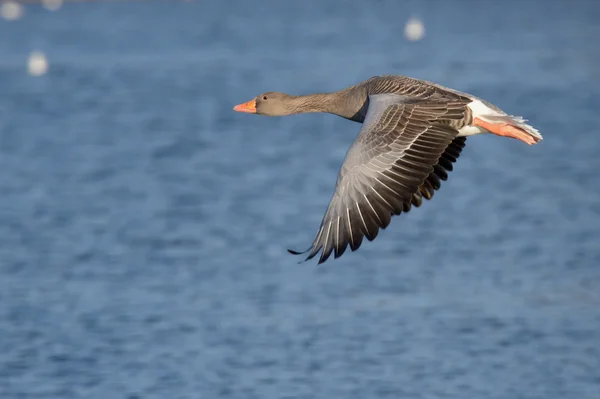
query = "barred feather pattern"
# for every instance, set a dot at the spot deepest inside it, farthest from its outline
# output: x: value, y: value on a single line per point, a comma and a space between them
x: 406, y: 146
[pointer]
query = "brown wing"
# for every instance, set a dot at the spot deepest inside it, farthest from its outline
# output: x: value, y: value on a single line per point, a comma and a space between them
x: 397, y: 155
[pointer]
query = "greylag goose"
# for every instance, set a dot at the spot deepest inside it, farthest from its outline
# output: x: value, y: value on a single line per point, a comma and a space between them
x: 412, y: 132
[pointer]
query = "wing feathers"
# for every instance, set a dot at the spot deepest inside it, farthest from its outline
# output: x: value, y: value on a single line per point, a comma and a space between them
x: 402, y: 153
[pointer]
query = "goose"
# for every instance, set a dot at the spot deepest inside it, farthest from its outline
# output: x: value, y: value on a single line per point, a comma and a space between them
x: 412, y: 133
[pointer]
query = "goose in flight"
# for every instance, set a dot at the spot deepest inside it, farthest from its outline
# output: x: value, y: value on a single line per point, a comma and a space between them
x: 412, y: 133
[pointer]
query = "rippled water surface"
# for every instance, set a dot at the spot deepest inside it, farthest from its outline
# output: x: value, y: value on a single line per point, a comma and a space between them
x: 143, y: 223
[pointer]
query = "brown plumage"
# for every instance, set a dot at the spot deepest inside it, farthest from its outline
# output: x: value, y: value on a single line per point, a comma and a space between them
x: 412, y: 133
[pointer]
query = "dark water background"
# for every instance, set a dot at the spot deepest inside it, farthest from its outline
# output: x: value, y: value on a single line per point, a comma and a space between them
x: 143, y: 223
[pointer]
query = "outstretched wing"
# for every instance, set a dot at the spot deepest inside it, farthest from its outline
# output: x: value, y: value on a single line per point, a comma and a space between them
x: 395, y: 160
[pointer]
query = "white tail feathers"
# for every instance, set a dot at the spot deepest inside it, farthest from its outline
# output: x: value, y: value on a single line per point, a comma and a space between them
x: 516, y: 121
x: 492, y: 117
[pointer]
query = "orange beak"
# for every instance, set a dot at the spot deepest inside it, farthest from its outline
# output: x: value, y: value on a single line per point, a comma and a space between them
x: 247, y: 107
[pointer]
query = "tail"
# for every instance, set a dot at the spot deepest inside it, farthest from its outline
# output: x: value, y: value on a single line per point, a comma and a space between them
x: 509, y: 126
x: 494, y: 120
x: 518, y: 122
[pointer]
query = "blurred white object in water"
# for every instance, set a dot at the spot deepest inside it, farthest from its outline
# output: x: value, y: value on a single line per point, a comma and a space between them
x: 52, y: 5
x: 37, y: 64
x: 414, y: 29
x: 11, y: 10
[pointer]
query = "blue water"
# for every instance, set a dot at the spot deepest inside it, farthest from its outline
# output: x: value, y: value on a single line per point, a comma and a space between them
x: 144, y: 224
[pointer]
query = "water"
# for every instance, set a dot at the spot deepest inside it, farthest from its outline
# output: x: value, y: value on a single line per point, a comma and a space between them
x: 143, y: 223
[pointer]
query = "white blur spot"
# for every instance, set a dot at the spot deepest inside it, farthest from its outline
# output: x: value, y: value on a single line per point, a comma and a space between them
x: 414, y: 29
x: 37, y: 64
x: 11, y: 10
x: 52, y: 5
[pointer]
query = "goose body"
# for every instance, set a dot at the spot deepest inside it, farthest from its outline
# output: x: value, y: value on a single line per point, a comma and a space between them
x: 412, y: 133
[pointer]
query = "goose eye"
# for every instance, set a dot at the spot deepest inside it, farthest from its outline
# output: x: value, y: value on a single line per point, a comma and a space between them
x: 264, y: 97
